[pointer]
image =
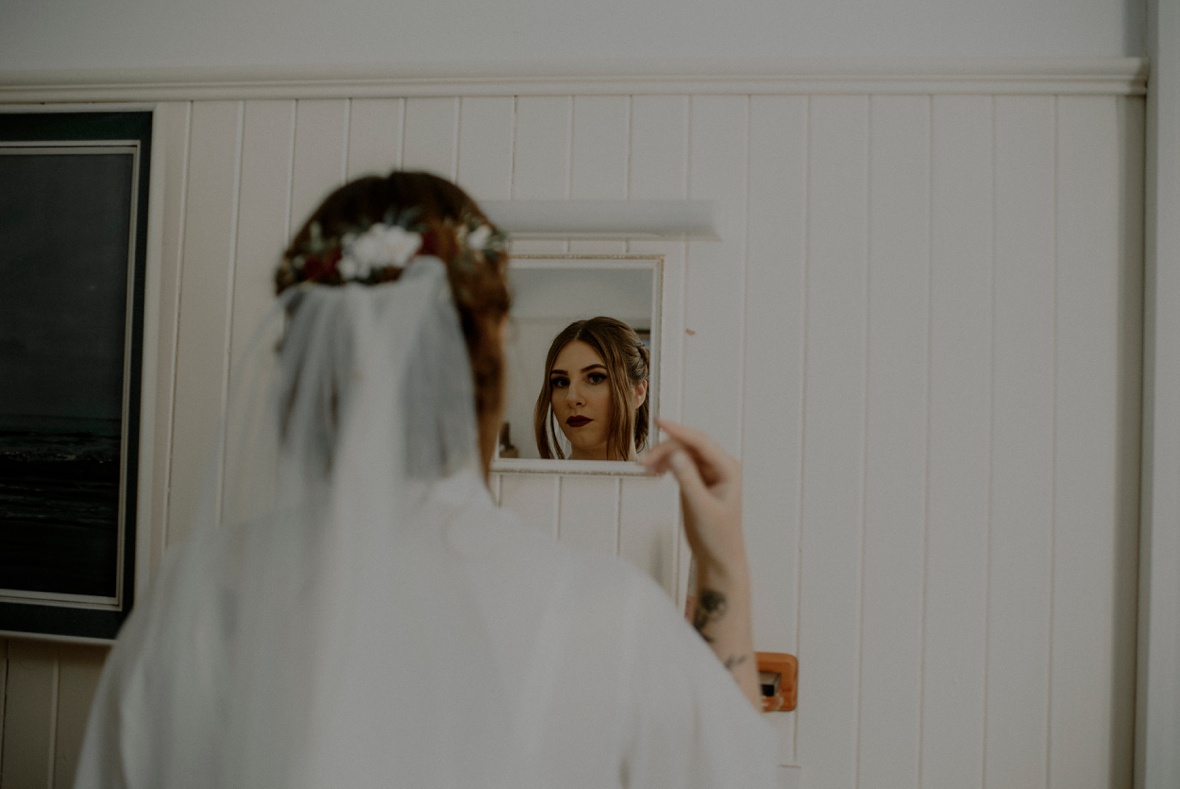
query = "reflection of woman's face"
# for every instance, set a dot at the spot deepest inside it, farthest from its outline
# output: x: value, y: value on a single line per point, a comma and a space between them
x: 580, y: 395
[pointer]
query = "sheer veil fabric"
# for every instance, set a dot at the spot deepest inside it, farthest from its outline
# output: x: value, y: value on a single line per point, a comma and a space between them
x: 354, y: 610
x: 339, y: 643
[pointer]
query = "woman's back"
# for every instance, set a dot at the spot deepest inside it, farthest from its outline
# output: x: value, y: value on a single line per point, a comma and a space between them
x: 352, y: 609
x: 608, y: 687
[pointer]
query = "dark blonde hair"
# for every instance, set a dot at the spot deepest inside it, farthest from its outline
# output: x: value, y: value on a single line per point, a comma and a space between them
x: 479, y: 283
x: 627, y: 362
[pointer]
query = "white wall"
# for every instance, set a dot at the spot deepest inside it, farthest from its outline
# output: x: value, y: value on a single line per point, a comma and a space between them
x: 446, y: 34
x: 919, y: 329
x: 943, y: 631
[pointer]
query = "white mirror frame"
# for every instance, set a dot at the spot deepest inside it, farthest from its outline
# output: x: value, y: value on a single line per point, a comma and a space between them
x: 653, y: 263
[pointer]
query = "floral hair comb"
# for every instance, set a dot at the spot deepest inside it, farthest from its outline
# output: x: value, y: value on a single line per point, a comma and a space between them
x: 378, y: 253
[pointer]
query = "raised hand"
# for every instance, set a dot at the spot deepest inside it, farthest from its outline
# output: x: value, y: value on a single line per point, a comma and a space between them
x: 710, y: 482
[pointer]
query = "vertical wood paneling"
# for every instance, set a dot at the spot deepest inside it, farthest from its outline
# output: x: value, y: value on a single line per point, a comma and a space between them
x: 895, y: 439
x: 672, y: 332
x: 263, y: 229
x: 772, y: 422
x: 80, y: 667
x: 374, y: 136
x: 533, y: 498
x: 658, y: 170
x: 1022, y: 490
x: 772, y: 403
x: 954, y: 629
x: 431, y: 135
x: 1132, y: 418
x: 486, y: 128
x: 30, y: 719
x: 600, y: 147
x: 715, y: 271
x: 940, y: 450
x: 648, y: 528
x: 321, y: 143
x: 833, y: 481
x: 659, y: 148
x: 172, y: 126
x: 670, y: 366
x: 264, y: 226
x: 541, y: 153
x: 1090, y: 732
x: 588, y: 512
x: 202, y: 351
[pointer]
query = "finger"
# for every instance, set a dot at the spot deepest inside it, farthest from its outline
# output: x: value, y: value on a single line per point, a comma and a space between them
x: 683, y: 432
x: 656, y: 458
x: 692, y: 487
x: 656, y: 463
x: 698, y: 440
x: 716, y: 463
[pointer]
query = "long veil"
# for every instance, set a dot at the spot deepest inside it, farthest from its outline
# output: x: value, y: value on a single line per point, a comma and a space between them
x: 352, y: 649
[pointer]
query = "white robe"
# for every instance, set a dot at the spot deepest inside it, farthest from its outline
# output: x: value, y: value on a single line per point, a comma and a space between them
x: 608, y: 685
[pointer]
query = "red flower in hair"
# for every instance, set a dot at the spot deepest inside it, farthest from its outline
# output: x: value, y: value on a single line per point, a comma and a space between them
x: 319, y: 268
x: 429, y: 244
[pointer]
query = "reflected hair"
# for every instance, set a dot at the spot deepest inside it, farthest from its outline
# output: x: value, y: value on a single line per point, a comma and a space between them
x: 627, y: 362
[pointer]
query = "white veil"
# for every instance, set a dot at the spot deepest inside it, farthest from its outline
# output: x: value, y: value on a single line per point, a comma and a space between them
x: 329, y: 632
x: 352, y: 651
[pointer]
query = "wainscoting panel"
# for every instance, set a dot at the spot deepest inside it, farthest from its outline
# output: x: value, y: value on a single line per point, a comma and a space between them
x: 206, y: 296
x: 374, y: 135
x: 598, y: 164
x: 485, y: 147
x: 1093, y: 553
x: 897, y: 390
x: 954, y: 603
x: 1018, y: 624
x: 430, y: 137
x: 833, y: 435
x: 919, y: 328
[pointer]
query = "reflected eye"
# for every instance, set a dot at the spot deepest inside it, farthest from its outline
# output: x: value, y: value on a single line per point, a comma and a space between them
x: 596, y: 378
x: 559, y: 382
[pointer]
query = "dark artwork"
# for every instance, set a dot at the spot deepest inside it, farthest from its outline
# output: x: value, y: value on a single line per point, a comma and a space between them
x: 59, y: 504
x: 70, y: 297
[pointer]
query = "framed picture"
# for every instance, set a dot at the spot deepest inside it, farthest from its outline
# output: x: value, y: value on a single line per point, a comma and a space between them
x: 73, y: 238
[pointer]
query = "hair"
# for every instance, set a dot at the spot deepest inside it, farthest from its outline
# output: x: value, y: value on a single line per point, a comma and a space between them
x: 627, y: 362
x: 479, y: 283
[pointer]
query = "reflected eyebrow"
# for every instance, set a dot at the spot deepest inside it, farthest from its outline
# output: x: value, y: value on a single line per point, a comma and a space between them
x: 587, y: 368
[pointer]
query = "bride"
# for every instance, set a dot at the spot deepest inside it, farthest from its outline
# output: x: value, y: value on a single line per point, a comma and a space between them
x: 354, y: 610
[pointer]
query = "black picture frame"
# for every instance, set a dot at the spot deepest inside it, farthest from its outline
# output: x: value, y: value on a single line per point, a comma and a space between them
x: 73, y: 249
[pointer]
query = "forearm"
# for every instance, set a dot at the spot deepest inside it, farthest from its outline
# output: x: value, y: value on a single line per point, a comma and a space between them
x: 722, y: 617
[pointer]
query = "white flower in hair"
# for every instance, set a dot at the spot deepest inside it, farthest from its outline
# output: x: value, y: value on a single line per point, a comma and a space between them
x: 477, y: 239
x: 348, y: 268
x: 379, y: 247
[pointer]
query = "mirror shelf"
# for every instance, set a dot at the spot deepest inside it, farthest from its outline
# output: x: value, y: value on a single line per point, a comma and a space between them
x: 602, y: 468
x: 604, y: 219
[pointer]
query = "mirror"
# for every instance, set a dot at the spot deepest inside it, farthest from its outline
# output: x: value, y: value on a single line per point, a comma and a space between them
x: 549, y: 293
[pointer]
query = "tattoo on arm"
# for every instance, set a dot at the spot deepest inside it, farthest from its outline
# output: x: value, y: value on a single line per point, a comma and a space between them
x: 710, y: 607
x: 734, y: 661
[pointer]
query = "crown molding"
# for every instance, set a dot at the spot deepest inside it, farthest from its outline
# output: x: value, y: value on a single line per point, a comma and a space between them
x: 1055, y: 76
